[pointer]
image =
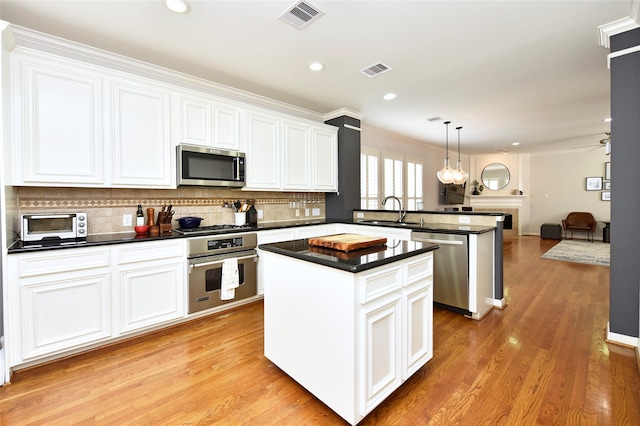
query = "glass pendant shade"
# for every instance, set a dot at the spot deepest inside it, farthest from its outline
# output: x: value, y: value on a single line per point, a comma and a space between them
x: 460, y: 175
x: 446, y: 175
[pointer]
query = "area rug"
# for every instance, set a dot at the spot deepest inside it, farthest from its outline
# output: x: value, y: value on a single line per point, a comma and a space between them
x: 593, y: 253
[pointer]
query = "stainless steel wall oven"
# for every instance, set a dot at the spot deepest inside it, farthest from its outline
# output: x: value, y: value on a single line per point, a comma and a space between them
x: 206, y: 256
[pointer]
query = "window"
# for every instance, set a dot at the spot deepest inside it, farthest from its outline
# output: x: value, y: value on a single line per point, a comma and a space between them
x: 369, y: 179
x: 414, y: 183
x: 395, y: 174
x: 393, y: 179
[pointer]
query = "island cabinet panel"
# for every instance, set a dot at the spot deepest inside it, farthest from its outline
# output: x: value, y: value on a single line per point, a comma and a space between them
x: 372, y: 329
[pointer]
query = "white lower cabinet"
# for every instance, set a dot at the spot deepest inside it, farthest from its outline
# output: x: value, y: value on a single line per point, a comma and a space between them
x: 67, y: 300
x: 150, y: 285
x: 150, y: 295
x: 63, y: 301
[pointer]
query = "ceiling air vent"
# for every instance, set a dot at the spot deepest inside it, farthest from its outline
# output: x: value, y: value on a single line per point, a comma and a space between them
x: 375, y: 69
x: 301, y: 14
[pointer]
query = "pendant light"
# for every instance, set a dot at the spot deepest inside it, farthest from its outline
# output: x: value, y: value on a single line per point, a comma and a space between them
x: 446, y: 174
x: 460, y: 176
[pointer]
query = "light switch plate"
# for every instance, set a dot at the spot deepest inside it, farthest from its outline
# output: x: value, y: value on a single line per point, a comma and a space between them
x: 464, y: 219
x: 260, y: 214
x: 127, y: 219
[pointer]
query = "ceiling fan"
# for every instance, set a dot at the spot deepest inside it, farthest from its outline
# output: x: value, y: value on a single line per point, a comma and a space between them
x: 604, y: 143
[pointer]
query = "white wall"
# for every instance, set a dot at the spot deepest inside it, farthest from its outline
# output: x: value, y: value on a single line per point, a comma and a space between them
x: 432, y: 157
x: 558, y: 183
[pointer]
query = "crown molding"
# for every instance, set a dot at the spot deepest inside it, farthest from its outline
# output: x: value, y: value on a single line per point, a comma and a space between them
x: 605, y: 31
x: 342, y: 112
x: 30, y: 39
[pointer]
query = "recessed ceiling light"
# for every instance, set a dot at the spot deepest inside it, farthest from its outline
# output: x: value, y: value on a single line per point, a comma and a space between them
x: 607, y: 119
x: 177, y: 6
x: 389, y: 96
x: 316, y: 66
x: 515, y: 143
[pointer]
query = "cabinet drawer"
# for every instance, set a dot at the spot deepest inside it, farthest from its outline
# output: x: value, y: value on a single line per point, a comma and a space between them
x: 378, y: 284
x: 140, y: 252
x: 421, y: 268
x: 34, y: 264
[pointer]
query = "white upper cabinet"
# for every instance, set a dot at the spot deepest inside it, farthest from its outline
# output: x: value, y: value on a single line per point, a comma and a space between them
x: 325, y: 159
x: 140, y: 138
x: 296, y: 155
x: 290, y: 155
x: 77, y: 124
x: 262, y: 165
x: 58, y: 114
x: 207, y: 121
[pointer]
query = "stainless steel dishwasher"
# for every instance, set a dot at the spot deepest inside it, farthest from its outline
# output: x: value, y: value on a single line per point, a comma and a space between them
x: 450, y: 269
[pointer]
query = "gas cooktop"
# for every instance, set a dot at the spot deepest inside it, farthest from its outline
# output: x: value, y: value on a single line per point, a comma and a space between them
x: 214, y: 229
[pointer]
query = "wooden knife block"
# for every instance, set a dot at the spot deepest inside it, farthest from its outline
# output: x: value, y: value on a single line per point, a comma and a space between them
x: 164, y: 227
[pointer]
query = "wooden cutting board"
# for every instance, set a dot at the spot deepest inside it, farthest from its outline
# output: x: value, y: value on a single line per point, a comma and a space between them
x: 347, y: 242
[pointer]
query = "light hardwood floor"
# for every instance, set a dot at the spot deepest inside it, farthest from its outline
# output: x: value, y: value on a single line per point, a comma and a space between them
x: 542, y: 360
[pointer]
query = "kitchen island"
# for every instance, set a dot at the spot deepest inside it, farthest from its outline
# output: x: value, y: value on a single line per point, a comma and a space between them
x: 350, y: 327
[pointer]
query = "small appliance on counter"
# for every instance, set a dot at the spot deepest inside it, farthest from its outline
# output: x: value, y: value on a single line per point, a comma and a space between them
x: 53, y: 227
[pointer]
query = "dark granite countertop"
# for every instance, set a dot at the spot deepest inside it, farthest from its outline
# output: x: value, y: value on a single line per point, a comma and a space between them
x: 353, y: 261
x: 131, y: 237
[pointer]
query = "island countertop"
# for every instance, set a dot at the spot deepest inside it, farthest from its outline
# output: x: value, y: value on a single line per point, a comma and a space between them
x: 353, y: 261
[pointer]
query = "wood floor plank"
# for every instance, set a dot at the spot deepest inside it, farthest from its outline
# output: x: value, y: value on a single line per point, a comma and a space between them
x: 541, y: 360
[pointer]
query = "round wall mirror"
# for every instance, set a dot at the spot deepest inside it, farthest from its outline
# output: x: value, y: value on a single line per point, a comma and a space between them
x: 495, y: 176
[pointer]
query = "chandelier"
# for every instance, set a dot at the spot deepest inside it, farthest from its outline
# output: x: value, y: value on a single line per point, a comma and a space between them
x: 446, y: 175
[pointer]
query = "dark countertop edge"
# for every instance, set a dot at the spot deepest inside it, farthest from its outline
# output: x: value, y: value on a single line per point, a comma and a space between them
x: 459, y: 212
x: 130, y: 237
x: 347, y: 267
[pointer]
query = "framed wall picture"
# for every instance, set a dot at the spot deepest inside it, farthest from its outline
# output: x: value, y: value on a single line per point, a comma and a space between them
x: 607, y: 170
x: 607, y: 186
x: 594, y: 184
x: 605, y: 196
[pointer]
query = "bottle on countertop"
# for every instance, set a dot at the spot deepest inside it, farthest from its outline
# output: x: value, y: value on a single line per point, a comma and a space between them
x: 252, y: 216
x: 139, y: 216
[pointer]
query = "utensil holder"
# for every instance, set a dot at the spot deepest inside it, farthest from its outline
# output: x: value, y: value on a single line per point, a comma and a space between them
x: 239, y: 218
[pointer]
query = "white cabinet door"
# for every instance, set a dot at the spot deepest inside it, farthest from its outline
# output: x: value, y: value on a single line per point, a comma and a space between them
x: 325, y: 160
x: 296, y: 155
x: 382, y: 336
x: 61, y: 301
x: 263, y: 152
x: 208, y: 122
x: 63, y: 312
x: 150, y: 294
x: 151, y: 284
x: 58, y: 133
x: 195, y: 121
x: 141, y: 142
x: 418, y: 329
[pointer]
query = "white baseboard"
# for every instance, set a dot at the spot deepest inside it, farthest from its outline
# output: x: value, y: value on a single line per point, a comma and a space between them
x: 621, y: 339
x: 500, y: 303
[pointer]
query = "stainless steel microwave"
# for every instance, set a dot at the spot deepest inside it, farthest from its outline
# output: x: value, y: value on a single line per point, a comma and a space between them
x: 202, y: 166
x: 44, y: 227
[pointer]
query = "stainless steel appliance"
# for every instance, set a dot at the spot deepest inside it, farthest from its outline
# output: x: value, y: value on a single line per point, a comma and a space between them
x: 55, y: 227
x: 213, y: 229
x: 206, y: 255
x: 450, y: 269
x: 202, y: 166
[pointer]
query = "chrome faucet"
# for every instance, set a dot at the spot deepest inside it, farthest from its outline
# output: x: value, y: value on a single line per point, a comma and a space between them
x: 401, y: 213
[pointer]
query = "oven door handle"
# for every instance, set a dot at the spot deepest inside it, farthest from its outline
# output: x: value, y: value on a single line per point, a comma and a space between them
x: 192, y: 266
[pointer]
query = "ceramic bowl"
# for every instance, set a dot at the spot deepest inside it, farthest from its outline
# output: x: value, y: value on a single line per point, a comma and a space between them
x: 142, y: 229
